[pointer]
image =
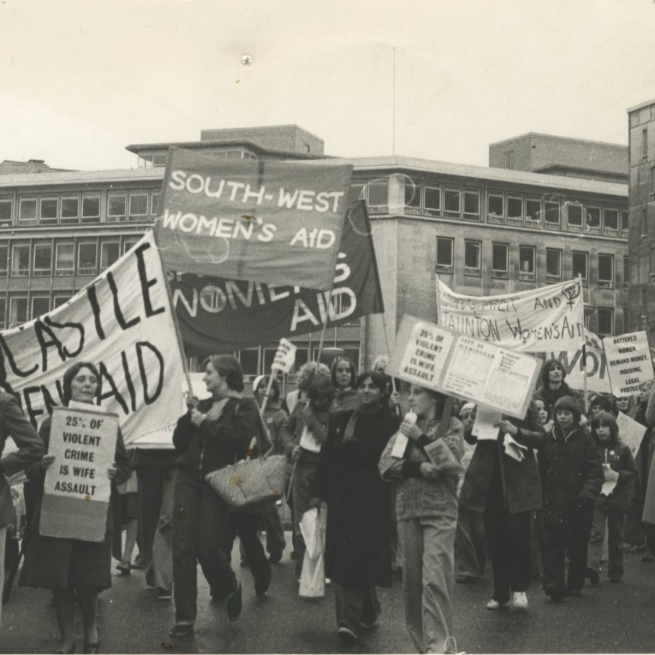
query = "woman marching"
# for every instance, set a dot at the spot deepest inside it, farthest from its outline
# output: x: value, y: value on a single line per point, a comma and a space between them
x: 343, y: 379
x: 358, y: 538
x: 214, y: 433
x: 75, y: 570
x: 426, y: 511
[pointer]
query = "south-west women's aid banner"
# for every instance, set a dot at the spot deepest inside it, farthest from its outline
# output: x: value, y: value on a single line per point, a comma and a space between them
x: 122, y: 323
x: 259, y: 221
x: 538, y: 320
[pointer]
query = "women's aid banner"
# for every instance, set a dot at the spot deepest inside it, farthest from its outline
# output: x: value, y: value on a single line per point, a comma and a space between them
x: 538, y: 320
x: 273, y: 222
x: 123, y: 324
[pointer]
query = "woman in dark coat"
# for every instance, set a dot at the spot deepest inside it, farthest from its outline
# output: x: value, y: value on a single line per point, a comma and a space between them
x: 74, y: 569
x: 357, y: 550
x: 507, y: 492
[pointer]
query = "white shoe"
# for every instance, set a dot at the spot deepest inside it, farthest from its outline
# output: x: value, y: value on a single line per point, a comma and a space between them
x: 520, y: 600
x: 495, y: 605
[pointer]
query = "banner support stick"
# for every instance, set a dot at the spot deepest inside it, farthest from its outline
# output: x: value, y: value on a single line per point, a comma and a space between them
x: 584, y: 377
x: 178, y: 334
x: 268, y: 391
x: 328, y: 304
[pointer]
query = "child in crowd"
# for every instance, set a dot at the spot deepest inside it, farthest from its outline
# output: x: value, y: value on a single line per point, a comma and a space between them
x: 542, y: 414
x: 612, y: 503
x: 599, y: 404
x: 572, y: 476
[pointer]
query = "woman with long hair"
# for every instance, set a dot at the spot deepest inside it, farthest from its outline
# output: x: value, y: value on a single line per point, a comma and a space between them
x: 75, y: 570
x: 214, y: 433
x: 358, y: 537
x: 344, y: 374
x: 426, y: 511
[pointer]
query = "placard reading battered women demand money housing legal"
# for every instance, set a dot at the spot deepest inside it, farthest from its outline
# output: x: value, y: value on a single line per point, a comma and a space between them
x: 628, y: 362
x: 84, y: 444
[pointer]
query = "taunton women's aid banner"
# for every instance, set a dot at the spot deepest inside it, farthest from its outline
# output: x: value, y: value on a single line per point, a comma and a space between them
x: 123, y: 324
x: 538, y: 320
x: 259, y: 221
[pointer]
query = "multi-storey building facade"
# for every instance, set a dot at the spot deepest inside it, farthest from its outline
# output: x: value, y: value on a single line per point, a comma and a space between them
x: 642, y: 218
x: 482, y: 230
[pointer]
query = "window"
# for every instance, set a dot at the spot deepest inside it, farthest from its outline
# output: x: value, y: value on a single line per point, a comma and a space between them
x: 20, y: 260
x: 65, y: 259
x: 116, y: 207
x: 626, y: 320
x: 90, y: 209
x: 6, y: 206
x: 4, y: 260
x: 354, y: 194
x: 611, y: 219
x: 58, y: 301
x: 499, y: 259
x: 444, y: 252
x: 593, y: 216
x: 49, y: 207
x: 154, y: 203
x: 109, y: 253
x: 644, y: 302
x: 40, y: 306
x: 432, y: 200
x: 644, y: 222
x: 580, y: 265
x: 27, y: 211
x: 87, y: 255
x: 472, y: 257
x: 42, y: 259
x: 130, y: 242
x: 472, y: 203
x: 644, y: 143
x: 606, y: 271
x: 3, y: 314
x: 159, y: 160
x: 514, y: 207
x: 451, y: 201
x: 626, y: 271
x: 17, y: 311
x: 625, y: 215
x: 412, y: 196
x: 553, y: 264
x: 249, y: 361
x: 378, y: 195
x: 575, y: 215
x: 509, y: 159
x: 138, y: 205
x: 552, y: 212
x: 495, y: 205
x: 526, y: 260
x: 605, y: 320
x: 70, y: 209
x: 533, y: 209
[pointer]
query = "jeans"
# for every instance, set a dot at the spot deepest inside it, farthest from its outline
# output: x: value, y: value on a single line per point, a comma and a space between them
x: 151, y: 480
x: 355, y: 606
x: 301, y: 486
x: 558, y: 541
x: 470, y: 545
x: 615, y: 520
x: 161, y: 567
x: 427, y: 547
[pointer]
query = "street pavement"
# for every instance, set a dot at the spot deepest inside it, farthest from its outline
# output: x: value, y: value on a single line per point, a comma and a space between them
x: 610, y: 618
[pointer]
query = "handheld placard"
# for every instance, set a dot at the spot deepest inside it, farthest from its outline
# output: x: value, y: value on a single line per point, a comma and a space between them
x: 400, y: 446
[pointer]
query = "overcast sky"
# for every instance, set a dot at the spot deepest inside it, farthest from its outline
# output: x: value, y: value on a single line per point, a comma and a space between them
x: 80, y: 80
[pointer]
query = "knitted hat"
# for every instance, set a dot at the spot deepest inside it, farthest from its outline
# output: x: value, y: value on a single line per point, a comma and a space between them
x: 466, y: 407
x: 571, y: 404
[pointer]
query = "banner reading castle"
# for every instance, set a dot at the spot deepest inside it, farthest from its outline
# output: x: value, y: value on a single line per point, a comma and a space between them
x: 274, y: 222
x: 538, y: 320
x: 123, y: 324
x: 217, y: 315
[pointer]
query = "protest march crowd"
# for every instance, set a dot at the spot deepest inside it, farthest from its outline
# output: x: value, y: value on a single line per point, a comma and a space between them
x: 390, y: 510
x: 440, y: 457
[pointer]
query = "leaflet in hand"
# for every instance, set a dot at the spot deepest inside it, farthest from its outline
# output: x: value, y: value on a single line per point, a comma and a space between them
x: 514, y: 449
x: 442, y: 457
x: 308, y: 442
x: 485, y: 420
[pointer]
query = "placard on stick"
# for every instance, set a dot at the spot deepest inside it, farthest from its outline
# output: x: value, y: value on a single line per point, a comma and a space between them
x: 431, y: 356
x: 628, y: 362
x: 77, y: 489
x: 285, y: 356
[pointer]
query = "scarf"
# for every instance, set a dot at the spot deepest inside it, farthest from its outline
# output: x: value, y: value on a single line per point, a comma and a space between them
x: 349, y: 433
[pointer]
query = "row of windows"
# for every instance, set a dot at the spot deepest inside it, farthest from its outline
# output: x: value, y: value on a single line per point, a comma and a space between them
x: 511, y: 208
x: 22, y: 308
x: 527, y: 262
x: 159, y: 159
x: 70, y: 208
x: 66, y: 257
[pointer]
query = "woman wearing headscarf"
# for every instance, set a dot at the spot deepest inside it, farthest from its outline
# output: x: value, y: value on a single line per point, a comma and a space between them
x: 426, y: 512
x: 75, y: 570
x: 357, y: 548
x: 213, y: 434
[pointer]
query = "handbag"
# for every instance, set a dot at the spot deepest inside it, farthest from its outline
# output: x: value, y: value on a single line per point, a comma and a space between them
x: 251, y: 481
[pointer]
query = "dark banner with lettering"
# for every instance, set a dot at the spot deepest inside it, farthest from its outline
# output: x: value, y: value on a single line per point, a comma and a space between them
x: 217, y: 315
